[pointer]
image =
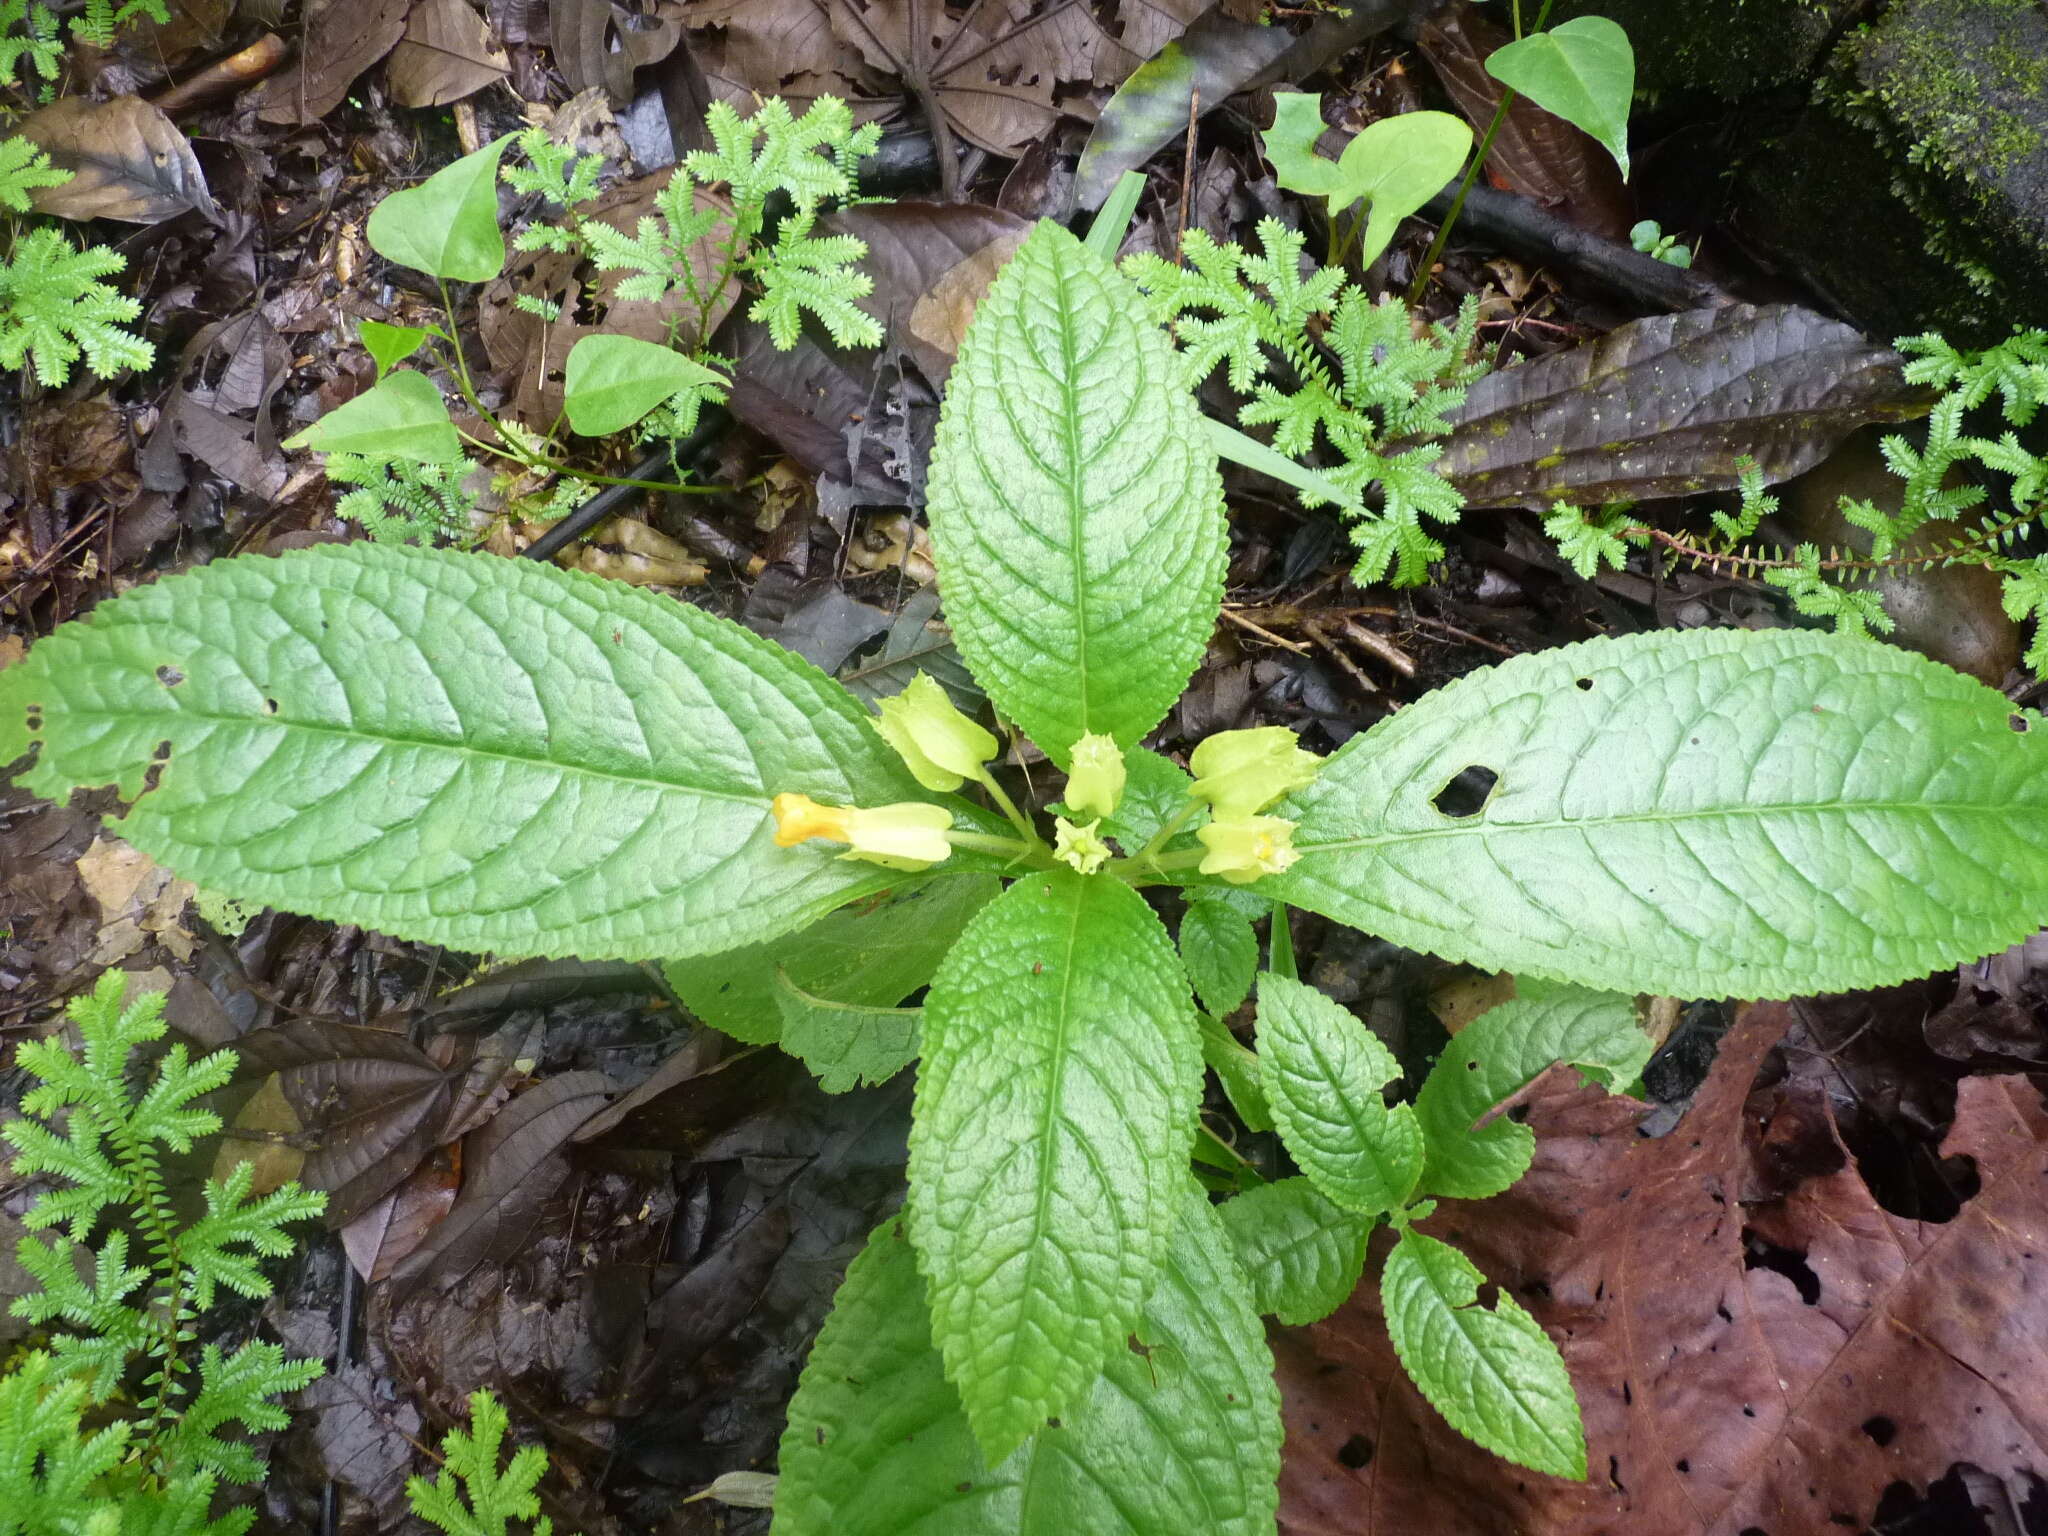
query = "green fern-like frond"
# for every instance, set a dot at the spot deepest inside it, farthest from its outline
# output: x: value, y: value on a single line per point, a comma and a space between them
x: 472, y: 1496
x: 1219, y: 316
x: 1853, y: 610
x: 54, y: 309
x: 2016, y: 370
x: 24, y: 167
x: 802, y: 272
x: 771, y: 152
x: 1591, y: 540
x: 555, y: 172
x: 235, y: 1389
x: 51, y: 1470
x: 659, y: 252
x: 233, y: 1222
x: 403, y: 501
x: 2024, y: 594
x: 36, y: 40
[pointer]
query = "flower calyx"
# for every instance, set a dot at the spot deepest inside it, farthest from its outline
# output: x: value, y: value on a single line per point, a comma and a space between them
x: 1081, y: 847
x: 910, y: 835
x: 1096, y: 781
x: 1242, y: 848
x: 941, y: 746
x: 1240, y: 773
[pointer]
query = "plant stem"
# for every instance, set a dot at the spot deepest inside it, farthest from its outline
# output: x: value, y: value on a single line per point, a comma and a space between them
x: 1009, y: 809
x: 1149, y: 854
x: 1280, y: 944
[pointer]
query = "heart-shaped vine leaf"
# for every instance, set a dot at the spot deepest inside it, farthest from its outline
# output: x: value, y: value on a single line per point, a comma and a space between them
x: 1708, y: 813
x: 1323, y: 1071
x: 400, y: 417
x: 1182, y: 1425
x: 610, y: 382
x: 489, y: 754
x: 390, y: 345
x: 1492, y: 1373
x: 1500, y: 1052
x: 1583, y: 70
x: 1055, y: 1104
x: 447, y: 226
x: 1396, y: 164
x: 1075, y: 504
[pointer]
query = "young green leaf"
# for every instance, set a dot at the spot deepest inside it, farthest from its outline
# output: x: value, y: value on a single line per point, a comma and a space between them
x: 390, y: 345
x: 1155, y: 790
x: 610, y: 382
x: 1323, y: 1072
x: 845, y: 1044
x: 874, y: 954
x: 1221, y: 953
x: 1075, y: 504
x: 1238, y: 1070
x: 400, y: 417
x: 1498, y: 1053
x: 1055, y: 1103
x: 490, y: 754
x: 447, y: 226
x: 1179, y: 1435
x: 1494, y: 1375
x: 1583, y: 70
x: 1302, y: 1253
x: 1714, y: 812
x: 1396, y: 164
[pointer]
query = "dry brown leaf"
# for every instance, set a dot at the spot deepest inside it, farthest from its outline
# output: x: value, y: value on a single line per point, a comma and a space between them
x: 343, y: 38
x: 138, y: 902
x: 127, y: 161
x: 267, y: 1127
x: 1770, y: 1363
x: 995, y: 90
x: 447, y: 53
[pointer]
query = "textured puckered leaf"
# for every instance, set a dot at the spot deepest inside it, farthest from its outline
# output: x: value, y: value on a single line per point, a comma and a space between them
x: 490, y: 754
x: 1710, y: 813
x: 1323, y: 1071
x: 1075, y: 503
x: 1302, y: 1253
x: 1055, y: 1104
x: 846, y: 1044
x: 1499, y: 1052
x: 1494, y: 1375
x: 1181, y: 1439
x: 1221, y: 953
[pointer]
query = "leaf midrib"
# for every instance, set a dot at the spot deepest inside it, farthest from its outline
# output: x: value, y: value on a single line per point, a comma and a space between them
x: 1636, y: 818
x: 482, y: 754
x: 1077, y: 510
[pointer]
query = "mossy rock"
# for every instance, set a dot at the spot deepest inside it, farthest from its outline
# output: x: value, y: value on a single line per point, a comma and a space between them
x: 1725, y: 48
x: 1914, y: 194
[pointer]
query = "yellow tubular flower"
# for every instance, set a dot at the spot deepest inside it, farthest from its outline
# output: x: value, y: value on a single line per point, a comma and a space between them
x: 1097, y: 780
x: 1240, y: 773
x: 910, y: 835
x: 1242, y: 848
x: 942, y: 746
x: 1080, y: 847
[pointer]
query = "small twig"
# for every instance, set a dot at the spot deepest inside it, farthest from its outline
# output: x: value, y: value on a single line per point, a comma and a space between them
x: 1187, y: 178
x: 1380, y: 646
x: 225, y: 76
x: 1264, y: 634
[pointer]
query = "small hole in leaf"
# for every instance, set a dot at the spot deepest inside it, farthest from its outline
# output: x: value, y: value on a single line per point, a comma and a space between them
x: 1684, y: 1466
x: 34, y: 720
x: 2018, y: 723
x: 169, y: 676
x: 1355, y: 1452
x: 1467, y: 792
x: 270, y: 706
x: 1880, y: 1430
x: 1585, y: 685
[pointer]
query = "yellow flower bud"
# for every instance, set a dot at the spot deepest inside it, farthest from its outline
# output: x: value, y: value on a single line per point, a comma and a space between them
x: 1242, y: 848
x: 942, y: 746
x: 1081, y: 847
x: 1240, y: 773
x: 910, y: 835
x: 1096, y: 782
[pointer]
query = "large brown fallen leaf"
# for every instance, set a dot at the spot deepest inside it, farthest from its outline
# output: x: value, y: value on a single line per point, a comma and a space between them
x: 127, y: 161
x: 1744, y: 1371
x: 343, y: 38
x: 447, y: 53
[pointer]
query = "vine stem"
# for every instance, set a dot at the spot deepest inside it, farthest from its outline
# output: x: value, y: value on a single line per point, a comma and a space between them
x: 1735, y: 560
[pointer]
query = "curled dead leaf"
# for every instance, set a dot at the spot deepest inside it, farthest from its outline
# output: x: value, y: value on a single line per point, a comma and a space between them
x: 127, y: 161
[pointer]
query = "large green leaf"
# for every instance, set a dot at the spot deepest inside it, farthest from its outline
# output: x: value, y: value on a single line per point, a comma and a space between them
x: 1075, y: 504
x: 610, y: 382
x: 1055, y: 1105
x: 874, y: 953
x: 1720, y: 813
x: 490, y: 754
x: 1583, y: 70
x: 1493, y: 1374
x: 1302, y: 1253
x: 1323, y: 1071
x: 447, y: 226
x: 1498, y: 1053
x: 399, y: 417
x: 1180, y: 1440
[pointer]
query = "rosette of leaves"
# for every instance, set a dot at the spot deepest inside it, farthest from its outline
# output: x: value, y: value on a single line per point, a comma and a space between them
x: 1061, y: 1334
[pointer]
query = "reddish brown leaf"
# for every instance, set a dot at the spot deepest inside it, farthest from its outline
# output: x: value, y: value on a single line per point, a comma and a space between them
x: 1741, y: 1367
x: 128, y: 162
x: 343, y: 38
x: 447, y: 53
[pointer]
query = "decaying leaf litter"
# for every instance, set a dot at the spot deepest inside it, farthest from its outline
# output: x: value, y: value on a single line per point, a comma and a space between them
x: 549, y: 1183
